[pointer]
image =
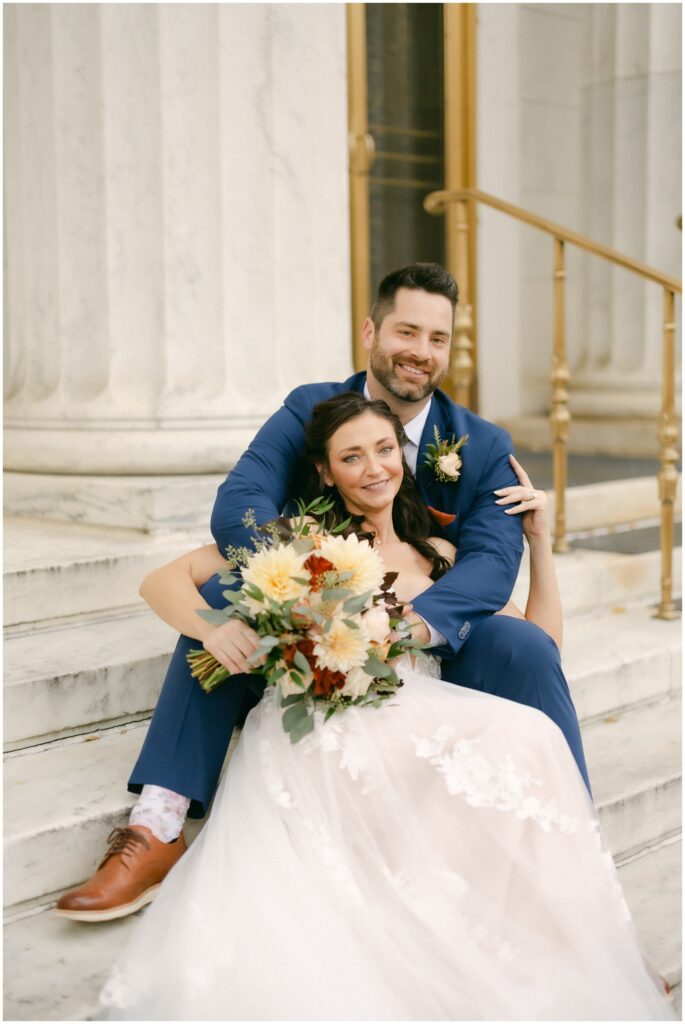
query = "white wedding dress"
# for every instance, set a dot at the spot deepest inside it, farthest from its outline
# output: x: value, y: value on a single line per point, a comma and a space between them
x: 437, y: 858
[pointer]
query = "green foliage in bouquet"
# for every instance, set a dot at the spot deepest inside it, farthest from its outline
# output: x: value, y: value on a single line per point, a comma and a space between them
x: 323, y: 608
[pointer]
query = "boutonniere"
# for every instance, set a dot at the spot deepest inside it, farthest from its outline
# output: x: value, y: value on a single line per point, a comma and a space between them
x: 444, y: 459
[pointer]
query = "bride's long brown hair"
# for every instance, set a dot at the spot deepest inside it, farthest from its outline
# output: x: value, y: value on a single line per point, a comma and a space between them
x: 409, y: 514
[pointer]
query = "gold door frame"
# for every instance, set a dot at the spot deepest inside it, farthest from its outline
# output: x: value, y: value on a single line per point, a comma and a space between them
x: 361, y: 156
x: 459, y: 21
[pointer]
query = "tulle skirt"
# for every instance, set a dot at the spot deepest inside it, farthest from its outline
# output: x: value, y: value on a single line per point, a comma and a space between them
x: 436, y: 858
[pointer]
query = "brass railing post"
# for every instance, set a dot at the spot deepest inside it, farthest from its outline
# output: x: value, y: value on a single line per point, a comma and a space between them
x: 559, y: 412
x: 668, y: 457
x: 560, y: 417
x: 461, y: 364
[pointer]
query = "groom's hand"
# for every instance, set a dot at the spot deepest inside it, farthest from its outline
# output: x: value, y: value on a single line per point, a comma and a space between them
x: 232, y: 644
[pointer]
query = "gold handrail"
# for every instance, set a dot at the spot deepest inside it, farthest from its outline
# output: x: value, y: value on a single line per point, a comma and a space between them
x: 437, y: 202
x: 560, y: 417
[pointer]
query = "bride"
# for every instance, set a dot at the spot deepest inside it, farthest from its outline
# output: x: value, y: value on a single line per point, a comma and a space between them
x: 434, y: 858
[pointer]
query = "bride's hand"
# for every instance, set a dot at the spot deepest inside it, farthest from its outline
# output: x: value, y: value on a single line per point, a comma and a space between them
x: 416, y: 628
x: 532, y: 503
x: 232, y: 643
x: 419, y: 630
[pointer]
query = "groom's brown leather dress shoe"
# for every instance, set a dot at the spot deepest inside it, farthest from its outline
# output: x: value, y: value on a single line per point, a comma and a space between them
x: 127, y: 878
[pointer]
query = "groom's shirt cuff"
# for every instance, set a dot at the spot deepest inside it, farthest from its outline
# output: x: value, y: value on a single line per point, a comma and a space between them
x: 437, y: 639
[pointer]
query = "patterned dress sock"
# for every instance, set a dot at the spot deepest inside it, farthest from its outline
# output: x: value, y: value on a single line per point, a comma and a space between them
x: 162, y: 811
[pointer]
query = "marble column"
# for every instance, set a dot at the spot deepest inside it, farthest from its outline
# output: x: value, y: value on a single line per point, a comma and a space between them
x: 632, y: 176
x: 176, y: 221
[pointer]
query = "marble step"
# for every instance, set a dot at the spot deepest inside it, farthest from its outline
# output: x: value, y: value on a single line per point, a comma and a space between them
x: 54, y: 968
x: 601, y: 580
x: 75, y: 676
x: 621, y: 659
x: 61, y: 800
x: 155, y: 504
x: 635, y: 766
x: 58, y: 569
x: 60, y: 803
x: 652, y: 884
x: 611, y: 503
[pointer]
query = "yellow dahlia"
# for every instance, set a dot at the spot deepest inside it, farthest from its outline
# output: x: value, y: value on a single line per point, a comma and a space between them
x: 272, y: 570
x: 349, y: 554
x: 342, y: 648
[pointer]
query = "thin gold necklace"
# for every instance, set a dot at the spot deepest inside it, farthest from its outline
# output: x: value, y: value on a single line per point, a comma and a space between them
x: 379, y: 543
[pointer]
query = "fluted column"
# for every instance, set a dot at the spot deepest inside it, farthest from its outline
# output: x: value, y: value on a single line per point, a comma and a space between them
x: 176, y: 228
x: 632, y: 198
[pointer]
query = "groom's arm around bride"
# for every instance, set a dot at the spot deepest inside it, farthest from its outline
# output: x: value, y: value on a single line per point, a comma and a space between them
x: 408, y: 339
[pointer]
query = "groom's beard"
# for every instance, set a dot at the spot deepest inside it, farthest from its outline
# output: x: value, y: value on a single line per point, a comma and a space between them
x: 383, y: 368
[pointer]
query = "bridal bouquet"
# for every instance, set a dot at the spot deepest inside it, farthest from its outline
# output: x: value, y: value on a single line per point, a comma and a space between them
x: 327, y: 619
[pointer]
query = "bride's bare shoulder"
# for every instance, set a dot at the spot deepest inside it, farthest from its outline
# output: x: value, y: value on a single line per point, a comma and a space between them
x: 445, y: 547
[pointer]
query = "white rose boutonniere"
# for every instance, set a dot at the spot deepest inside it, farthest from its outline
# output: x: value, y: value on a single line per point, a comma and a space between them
x: 444, y: 459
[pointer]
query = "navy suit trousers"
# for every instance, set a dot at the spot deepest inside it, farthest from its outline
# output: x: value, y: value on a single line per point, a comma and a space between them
x: 188, y: 737
x: 190, y: 730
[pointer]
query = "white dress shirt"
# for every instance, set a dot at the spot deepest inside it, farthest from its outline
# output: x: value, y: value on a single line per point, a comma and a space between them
x: 414, y: 430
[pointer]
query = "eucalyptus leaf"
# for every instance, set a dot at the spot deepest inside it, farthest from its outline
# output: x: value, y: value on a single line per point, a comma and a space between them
x: 374, y: 667
x: 214, y: 615
x: 303, y: 545
x: 302, y: 663
x: 294, y: 714
x: 301, y: 728
x: 356, y: 604
x: 293, y: 698
x: 229, y: 576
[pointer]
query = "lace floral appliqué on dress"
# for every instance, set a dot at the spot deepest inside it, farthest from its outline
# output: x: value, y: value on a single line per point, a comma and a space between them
x: 488, y: 783
x: 435, y: 858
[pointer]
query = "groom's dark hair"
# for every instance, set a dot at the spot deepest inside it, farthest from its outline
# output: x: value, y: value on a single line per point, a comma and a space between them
x: 427, y: 277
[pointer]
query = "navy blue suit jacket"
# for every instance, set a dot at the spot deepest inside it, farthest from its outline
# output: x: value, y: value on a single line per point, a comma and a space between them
x: 489, y: 542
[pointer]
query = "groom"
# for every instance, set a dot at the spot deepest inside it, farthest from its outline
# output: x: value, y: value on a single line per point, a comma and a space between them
x: 408, y: 340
